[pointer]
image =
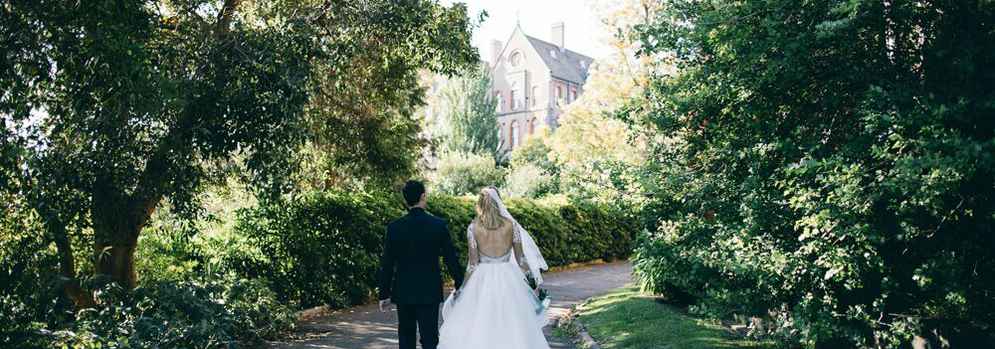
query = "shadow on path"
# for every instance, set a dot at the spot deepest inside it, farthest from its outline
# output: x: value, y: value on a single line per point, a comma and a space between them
x: 365, y: 327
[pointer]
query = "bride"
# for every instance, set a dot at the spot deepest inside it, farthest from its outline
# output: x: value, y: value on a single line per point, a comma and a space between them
x: 496, y: 308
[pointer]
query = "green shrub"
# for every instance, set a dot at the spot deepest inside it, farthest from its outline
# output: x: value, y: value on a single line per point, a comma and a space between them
x: 530, y: 181
x: 566, y: 233
x: 324, y: 248
x: 533, y: 173
x: 460, y: 173
x: 30, y: 298
x: 178, y: 248
x: 321, y: 248
x: 256, y: 312
x: 19, y: 325
x: 169, y: 251
x: 535, y: 152
x: 216, y: 313
x: 174, y: 307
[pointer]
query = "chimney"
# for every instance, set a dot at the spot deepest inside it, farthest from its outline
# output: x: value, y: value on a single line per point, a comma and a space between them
x: 557, y: 35
x: 496, y: 47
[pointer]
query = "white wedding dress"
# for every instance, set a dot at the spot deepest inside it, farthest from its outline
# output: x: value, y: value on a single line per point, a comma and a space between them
x: 496, y: 308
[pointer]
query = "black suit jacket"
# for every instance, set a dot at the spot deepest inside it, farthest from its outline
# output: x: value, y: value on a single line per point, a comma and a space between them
x: 409, y: 267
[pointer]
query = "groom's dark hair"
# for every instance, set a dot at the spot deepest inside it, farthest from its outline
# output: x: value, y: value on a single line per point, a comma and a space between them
x: 412, y: 192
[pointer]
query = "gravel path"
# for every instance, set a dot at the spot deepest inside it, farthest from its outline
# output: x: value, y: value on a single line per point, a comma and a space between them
x: 364, y: 327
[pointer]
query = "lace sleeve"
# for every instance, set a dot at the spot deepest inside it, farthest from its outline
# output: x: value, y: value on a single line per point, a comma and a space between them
x: 516, y: 243
x: 472, y: 255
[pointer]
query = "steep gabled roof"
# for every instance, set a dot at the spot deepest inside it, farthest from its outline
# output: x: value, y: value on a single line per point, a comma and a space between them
x: 567, y: 65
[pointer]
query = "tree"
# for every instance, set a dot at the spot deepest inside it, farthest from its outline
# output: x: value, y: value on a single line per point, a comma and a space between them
x: 533, y: 172
x: 468, y: 111
x: 365, y: 113
x: 530, y: 181
x: 466, y: 174
x: 829, y: 162
x: 114, y: 108
x: 534, y: 151
x: 596, y: 151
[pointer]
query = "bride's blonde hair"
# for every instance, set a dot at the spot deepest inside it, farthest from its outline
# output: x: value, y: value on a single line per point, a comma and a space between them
x: 487, y: 210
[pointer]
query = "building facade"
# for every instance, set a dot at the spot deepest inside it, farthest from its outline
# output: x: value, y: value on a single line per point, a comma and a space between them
x: 533, y: 80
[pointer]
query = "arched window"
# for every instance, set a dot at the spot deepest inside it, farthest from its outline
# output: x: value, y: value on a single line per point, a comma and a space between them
x: 514, y: 134
x: 516, y: 58
x: 500, y: 101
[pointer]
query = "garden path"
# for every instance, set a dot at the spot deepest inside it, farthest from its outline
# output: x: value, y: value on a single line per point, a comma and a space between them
x: 365, y: 327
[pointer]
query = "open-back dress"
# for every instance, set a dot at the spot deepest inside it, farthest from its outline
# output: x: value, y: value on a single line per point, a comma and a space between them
x: 496, y: 308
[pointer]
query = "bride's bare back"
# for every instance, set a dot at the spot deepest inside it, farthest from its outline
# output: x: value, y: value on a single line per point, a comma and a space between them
x: 493, y: 242
x: 496, y: 241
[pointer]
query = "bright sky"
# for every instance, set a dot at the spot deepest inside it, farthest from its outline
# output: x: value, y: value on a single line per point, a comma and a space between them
x: 584, y: 32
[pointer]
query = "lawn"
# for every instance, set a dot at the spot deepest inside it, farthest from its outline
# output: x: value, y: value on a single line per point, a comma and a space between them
x: 629, y: 319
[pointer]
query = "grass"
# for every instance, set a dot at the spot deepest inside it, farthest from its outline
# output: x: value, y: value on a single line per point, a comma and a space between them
x: 629, y: 319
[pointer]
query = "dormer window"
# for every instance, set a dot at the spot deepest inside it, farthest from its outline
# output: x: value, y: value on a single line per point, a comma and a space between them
x: 516, y: 59
x: 552, y: 53
x: 583, y: 65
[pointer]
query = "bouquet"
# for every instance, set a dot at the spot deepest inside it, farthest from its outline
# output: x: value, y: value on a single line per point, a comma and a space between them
x: 542, y: 295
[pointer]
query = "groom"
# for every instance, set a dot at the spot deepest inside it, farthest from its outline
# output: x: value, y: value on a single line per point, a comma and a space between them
x: 409, y: 269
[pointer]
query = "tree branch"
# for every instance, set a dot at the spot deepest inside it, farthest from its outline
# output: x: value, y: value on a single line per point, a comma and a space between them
x: 225, y: 16
x: 149, y: 192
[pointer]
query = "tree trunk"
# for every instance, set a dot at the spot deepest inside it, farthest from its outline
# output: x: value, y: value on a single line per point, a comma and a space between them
x: 67, y: 268
x: 118, y: 262
x: 114, y: 247
x: 57, y: 231
x: 117, y: 221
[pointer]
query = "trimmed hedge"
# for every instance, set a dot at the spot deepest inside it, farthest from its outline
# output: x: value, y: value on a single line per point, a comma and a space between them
x: 323, y: 248
x: 566, y: 233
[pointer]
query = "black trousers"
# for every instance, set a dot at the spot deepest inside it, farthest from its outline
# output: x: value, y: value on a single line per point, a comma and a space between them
x: 421, y: 317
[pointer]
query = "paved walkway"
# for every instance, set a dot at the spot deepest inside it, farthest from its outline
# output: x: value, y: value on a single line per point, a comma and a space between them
x: 365, y: 327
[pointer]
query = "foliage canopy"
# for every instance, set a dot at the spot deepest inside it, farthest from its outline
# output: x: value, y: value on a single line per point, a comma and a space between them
x: 109, y: 108
x: 827, y: 161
